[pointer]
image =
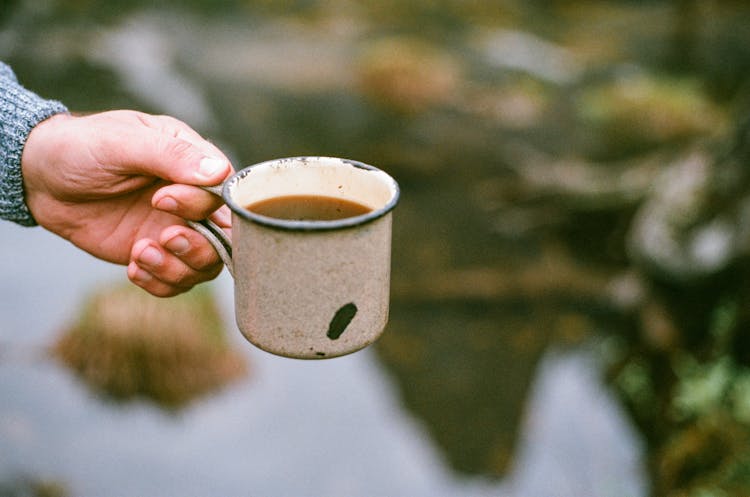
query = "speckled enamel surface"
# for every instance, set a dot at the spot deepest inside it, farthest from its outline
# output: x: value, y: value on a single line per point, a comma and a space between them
x: 293, y: 285
x: 290, y: 285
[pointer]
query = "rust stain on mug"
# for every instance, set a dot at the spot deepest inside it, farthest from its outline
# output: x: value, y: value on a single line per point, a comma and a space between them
x: 341, y: 320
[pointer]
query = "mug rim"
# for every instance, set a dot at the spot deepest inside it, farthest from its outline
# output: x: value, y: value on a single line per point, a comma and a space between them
x: 297, y: 225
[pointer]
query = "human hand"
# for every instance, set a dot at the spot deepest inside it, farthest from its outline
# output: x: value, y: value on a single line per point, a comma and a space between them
x: 119, y: 185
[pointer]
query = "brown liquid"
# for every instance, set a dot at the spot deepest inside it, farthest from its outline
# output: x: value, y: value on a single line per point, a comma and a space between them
x: 308, y: 208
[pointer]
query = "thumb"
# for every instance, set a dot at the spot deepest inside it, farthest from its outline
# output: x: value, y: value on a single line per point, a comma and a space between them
x: 162, y: 147
x: 180, y: 160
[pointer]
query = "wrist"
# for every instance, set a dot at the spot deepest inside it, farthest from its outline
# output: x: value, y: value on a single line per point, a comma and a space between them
x: 20, y: 112
x: 38, y: 160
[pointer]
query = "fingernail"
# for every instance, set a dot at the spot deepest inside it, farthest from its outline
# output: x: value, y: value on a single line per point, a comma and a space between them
x: 178, y: 245
x: 137, y: 274
x: 167, y: 204
x: 210, y: 166
x: 150, y: 256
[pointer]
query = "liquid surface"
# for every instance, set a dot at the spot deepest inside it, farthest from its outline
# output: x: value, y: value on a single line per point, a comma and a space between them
x: 308, y: 208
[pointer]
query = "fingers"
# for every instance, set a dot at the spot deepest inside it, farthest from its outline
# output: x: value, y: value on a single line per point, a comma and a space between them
x: 190, y: 247
x: 187, y: 202
x: 181, y: 259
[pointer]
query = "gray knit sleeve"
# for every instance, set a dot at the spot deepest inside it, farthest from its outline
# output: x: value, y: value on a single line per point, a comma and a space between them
x: 20, y: 111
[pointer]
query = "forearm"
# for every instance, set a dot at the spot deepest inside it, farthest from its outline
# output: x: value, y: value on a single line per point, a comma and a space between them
x: 20, y: 111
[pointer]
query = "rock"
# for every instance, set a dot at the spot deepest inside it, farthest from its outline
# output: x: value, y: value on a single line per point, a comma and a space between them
x: 695, y: 223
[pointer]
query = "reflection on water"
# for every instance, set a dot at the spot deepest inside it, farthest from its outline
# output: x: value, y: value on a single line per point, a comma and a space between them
x: 575, y: 439
x: 128, y: 344
x: 335, y: 426
x: 465, y: 369
x: 527, y: 137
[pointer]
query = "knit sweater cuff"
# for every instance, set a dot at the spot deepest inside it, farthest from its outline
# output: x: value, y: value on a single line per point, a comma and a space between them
x: 20, y: 111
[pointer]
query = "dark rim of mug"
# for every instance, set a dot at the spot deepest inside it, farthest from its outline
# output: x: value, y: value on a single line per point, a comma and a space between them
x: 291, y: 225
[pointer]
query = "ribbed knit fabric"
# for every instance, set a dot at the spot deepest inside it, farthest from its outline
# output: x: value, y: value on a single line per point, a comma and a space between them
x: 20, y: 111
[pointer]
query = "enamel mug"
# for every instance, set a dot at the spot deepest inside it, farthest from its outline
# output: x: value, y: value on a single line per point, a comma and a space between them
x: 308, y: 288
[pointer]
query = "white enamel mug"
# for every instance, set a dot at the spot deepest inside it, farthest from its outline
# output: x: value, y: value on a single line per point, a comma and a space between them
x: 308, y: 289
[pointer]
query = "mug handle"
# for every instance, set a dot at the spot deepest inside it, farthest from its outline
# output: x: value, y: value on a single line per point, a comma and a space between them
x: 214, y: 234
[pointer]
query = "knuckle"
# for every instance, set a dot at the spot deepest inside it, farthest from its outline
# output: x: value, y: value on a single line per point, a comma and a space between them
x: 202, y: 256
x: 175, y: 148
x: 154, y: 288
x: 179, y: 275
x: 165, y: 291
x: 207, y: 260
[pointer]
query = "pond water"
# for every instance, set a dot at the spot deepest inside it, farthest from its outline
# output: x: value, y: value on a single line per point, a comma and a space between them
x: 291, y: 428
x: 524, y: 137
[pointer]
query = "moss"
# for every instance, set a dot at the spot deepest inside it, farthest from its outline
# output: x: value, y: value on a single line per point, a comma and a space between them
x: 127, y: 344
x: 29, y: 486
x: 638, y: 110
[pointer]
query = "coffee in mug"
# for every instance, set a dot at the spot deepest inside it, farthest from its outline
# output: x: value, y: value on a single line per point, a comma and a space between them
x: 308, y: 208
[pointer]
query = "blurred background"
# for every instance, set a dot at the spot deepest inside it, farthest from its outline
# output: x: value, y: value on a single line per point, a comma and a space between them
x: 570, y: 297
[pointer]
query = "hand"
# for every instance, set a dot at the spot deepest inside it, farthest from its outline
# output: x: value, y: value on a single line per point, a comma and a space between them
x: 118, y: 185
